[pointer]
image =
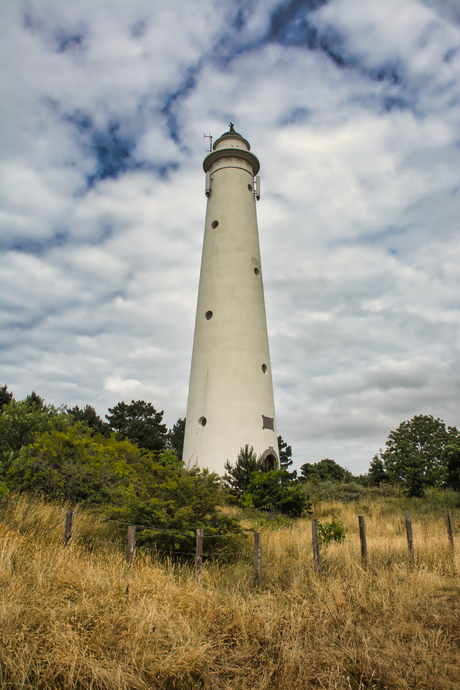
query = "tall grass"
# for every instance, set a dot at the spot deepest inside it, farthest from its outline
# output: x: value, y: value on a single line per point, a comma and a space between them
x: 77, y: 618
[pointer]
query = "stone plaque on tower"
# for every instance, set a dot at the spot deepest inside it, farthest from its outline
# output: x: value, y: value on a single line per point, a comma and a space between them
x: 230, y: 401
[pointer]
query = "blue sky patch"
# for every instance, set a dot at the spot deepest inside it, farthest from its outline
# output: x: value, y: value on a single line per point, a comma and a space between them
x: 68, y: 41
x: 39, y: 247
x: 295, y: 115
x: 113, y: 153
x: 138, y: 29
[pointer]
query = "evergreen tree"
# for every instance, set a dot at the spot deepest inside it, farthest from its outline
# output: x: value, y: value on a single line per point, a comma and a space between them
x: 177, y: 499
x: 5, y: 397
x: 89, y: 417
x: 35, y: 399
x: 286, y: 459
x: 176, y: 437
x: 376, y: 474
x: 140, y: 423
x: 238, y: 477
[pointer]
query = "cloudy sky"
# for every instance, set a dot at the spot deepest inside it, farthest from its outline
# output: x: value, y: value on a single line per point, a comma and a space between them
x: 352, y: 107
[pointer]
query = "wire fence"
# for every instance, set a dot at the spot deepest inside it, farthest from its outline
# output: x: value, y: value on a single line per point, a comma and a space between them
x: 70, y: 535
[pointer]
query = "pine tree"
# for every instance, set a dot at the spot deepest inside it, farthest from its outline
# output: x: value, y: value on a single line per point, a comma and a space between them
x: 90, y: 417
x: 176, y: 437
x: 239, y: 476
x: 140, y: 423
x: 286, y: 459
x: 5, y: 396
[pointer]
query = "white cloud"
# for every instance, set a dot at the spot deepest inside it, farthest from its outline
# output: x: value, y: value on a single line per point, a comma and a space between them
x: 357, y: 219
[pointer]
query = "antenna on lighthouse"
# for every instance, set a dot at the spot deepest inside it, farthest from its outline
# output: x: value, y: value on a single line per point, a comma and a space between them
x: 208, y: 136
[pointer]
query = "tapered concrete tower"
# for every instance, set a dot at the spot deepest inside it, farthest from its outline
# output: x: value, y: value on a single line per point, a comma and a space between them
x: 230, y: 400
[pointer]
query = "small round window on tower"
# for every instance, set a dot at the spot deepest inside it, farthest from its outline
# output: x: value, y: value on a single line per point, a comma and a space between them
x: 256, y: 271
x: 250, y: 187
x: 208, y: 315
x: 214, y: 224
x: 202, y: 421
x: 264, y: 368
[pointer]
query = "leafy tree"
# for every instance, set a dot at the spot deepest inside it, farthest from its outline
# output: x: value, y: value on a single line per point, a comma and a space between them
x: 73, y: 465
x: 414, y: 453
x: 5, y: 397
x: 20, y: 421
x: 90, y: 418
x: 451, y: 456
x: 325, y: 470
x: 286, y: 457
x: 271, y: 491
x: 409, y: 469
x: 238, y: 477
x: 140, y: 423
x: 176, y: 437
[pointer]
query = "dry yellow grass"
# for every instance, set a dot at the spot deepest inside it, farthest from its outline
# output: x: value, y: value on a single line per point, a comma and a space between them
x: 67, y: 622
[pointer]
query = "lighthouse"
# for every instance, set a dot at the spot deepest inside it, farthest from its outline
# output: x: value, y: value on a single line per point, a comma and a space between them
x: 230, y: 402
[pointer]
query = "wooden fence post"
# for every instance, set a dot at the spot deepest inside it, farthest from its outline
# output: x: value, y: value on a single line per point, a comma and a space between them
x: 68, y: 528
x: 257, y: 558
x: 410, y: 539
x: 131, y: 546
x: 314, y: 534
x: 199, y: 554
x: 362, y: 538
x: 450, y: 531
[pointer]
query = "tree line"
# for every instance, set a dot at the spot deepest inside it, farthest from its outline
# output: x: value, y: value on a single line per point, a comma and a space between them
x: 130, y: 465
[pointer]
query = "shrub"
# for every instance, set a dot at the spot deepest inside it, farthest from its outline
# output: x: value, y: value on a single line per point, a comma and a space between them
x: 21, y: 422
x: 73, y: 465
x: 170, y: 503
x: 331, y: 531
x: 270, y: 491
x: 324, y: 470
x: 340, y: 491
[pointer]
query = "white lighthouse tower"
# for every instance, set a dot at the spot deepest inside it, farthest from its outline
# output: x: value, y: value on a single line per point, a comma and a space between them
x: 230, y: 401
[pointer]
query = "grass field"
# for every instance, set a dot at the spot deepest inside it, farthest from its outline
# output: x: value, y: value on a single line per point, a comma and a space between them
x: 67, y: 621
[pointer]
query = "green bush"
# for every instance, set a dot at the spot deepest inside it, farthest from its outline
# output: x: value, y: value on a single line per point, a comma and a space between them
x: 131, y: 485
x: 339, y: 491
x: 73, y: 465
x: 21, y: 422
x: 324, y: 470
x: 271, y: 491
x: 170, y: 503
x: 331, y: 531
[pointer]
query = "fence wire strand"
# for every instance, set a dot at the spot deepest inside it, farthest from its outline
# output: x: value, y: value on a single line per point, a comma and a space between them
x: 154, y: 528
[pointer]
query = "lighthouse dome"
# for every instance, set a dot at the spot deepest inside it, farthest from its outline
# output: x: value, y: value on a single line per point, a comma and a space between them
x: 231, y: 139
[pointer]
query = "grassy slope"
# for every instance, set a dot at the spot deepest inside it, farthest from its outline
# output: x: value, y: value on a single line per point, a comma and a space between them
x: 67, y: 622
